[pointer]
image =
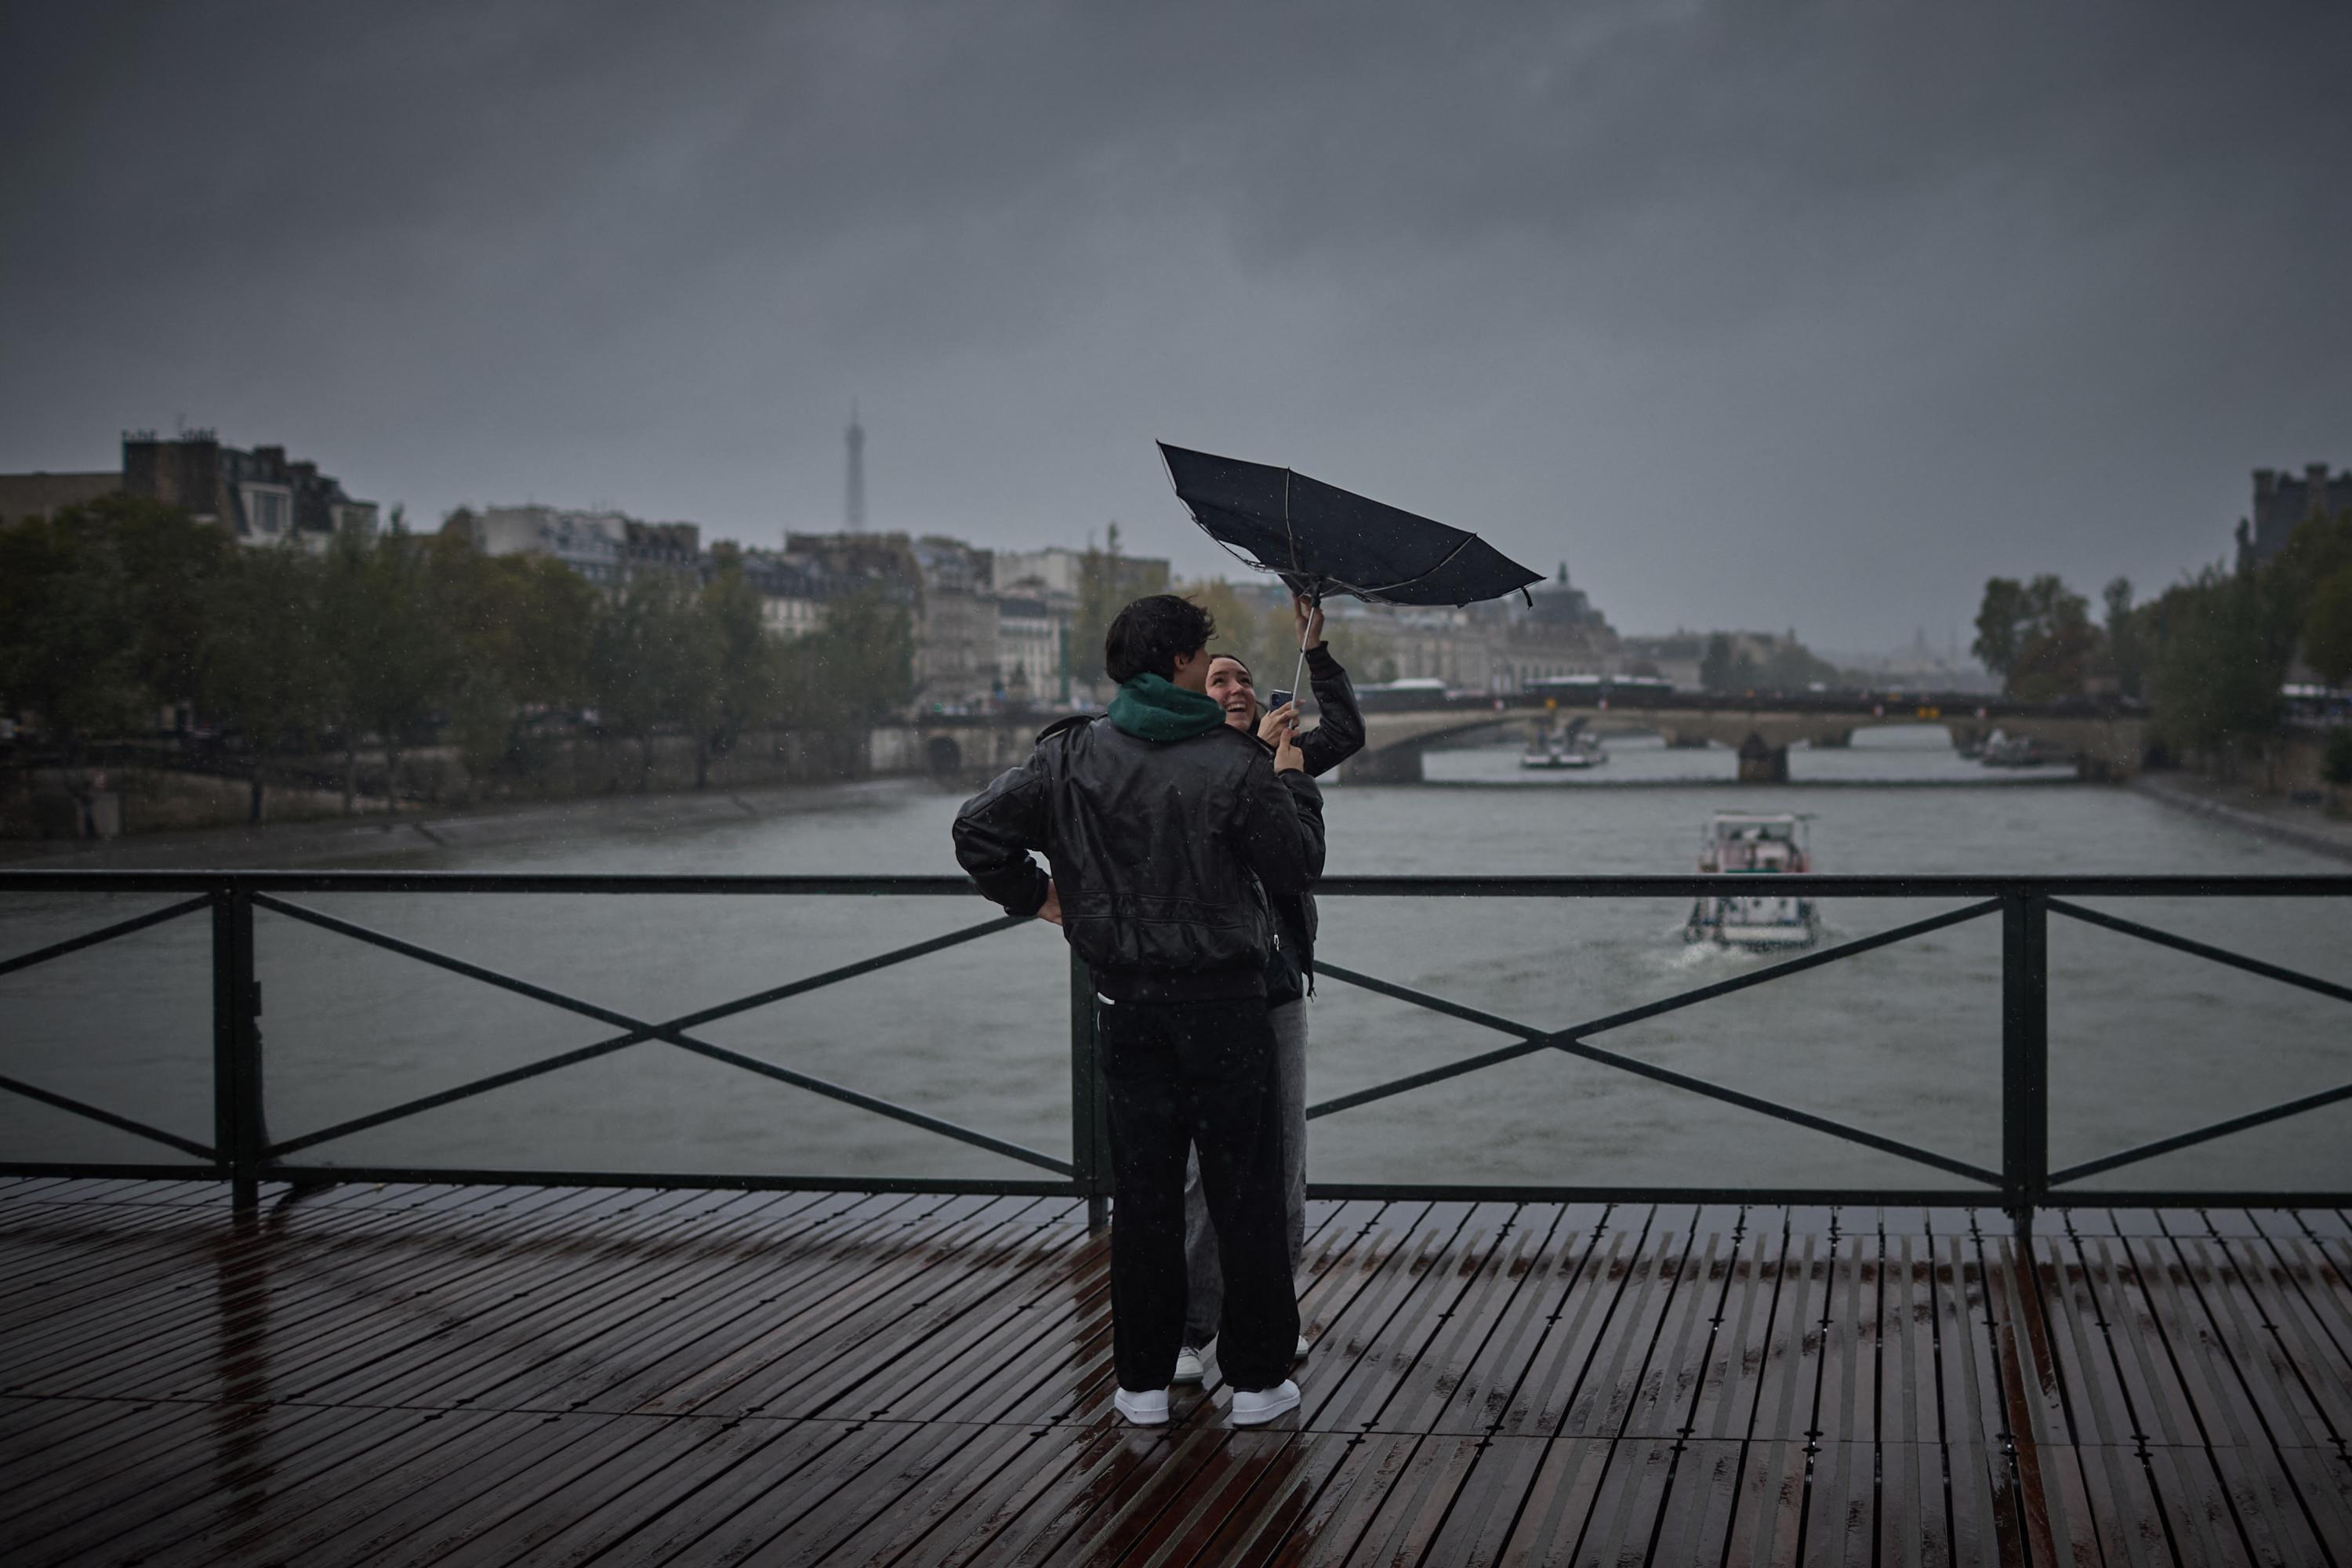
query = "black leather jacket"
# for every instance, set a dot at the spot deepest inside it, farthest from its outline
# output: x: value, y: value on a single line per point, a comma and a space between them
x: 1159, y: 849
x: 1337, y: 736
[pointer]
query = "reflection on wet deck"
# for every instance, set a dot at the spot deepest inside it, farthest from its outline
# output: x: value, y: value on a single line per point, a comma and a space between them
x: 510, y: 1375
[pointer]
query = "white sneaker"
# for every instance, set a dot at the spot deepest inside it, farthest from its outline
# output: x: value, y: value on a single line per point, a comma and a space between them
x: 1187, y: 1367
x: 1257, y: 1409
x: 1150, y: 1408
x: 1297, y: 1351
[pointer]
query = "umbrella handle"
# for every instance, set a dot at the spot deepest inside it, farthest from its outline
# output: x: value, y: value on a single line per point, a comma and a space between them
x: 1314, y: 602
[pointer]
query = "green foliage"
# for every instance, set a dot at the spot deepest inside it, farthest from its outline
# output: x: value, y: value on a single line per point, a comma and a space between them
x: 859, y: 668
x: 640, y: 655
x: 2327, y: 628
x: 1720, y: 669
x: 113, y: 609
x: 1790, y: 666
x: 262, y: 672
x: 1265, y: 636
x: 744, y: 665
x: 2213, y: 684
x: 2126, y: 644
x: 2037, y: 637
x: 388, y: 663
x: 2336, y: 757
x: 102, y: 610
x: 1107, y: 582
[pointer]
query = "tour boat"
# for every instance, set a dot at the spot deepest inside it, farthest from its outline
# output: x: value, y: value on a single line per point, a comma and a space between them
x: 1745, y: 844
x: 2006, y: 751
x: 1575, y: 748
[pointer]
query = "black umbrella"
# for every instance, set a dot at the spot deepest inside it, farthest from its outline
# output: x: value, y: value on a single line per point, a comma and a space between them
x: 1320, y: 539
x: 1323, y: 540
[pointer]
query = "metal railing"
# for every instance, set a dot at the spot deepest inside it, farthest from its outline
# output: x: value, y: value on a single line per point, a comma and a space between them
x: 244, y: 1153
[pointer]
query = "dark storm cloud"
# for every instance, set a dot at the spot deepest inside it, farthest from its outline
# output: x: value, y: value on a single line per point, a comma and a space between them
x: 1757, y: 314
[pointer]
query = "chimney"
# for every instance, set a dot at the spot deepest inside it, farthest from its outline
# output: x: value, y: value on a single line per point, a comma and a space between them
x: 2265, y: 486
x: 2315, y: 477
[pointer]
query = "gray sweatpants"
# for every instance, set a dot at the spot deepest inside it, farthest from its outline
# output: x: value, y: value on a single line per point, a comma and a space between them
x: 1204, y: 1293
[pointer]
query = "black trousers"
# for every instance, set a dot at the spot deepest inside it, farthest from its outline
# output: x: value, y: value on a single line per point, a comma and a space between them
x: 1198, y: 1075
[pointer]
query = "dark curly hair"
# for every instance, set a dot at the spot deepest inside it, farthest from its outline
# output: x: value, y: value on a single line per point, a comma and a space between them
x: 1152, y: 634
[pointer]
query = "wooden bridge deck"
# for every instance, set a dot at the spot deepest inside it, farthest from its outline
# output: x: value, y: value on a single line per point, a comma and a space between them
x: 509, y: 1375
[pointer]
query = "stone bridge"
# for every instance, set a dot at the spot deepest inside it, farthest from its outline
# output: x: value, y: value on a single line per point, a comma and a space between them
x: 2104, y: 739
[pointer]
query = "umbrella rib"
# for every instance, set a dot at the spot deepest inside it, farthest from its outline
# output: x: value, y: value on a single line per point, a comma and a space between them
x: 1409, y: 581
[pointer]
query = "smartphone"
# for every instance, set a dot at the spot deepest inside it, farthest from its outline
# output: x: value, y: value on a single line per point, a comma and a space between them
x: 1276, y: 698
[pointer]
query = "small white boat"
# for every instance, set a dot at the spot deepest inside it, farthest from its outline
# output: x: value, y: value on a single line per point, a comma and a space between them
x: 2006, y: 751
x: 1745, y: 844
x: 1575, y: 748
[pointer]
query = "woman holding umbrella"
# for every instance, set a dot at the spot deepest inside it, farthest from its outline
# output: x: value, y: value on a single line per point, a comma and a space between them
x: 1288, y: 974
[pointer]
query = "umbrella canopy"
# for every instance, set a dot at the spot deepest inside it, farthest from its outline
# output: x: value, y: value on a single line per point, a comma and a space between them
x: 1323, y: 540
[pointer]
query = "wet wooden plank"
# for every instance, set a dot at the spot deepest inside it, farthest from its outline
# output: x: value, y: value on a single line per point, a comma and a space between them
x: 1723, y: 1388
x: 133, y: 1483
x: 1694, y: 1528
x: 597, y: 1510
x: 2126, y: 1517
x: 190, y: 1364
x: 468, y: 1326
x: 97, y: 1267
x: 1769, y: 1516
x: 2176, y: 1287
x: 1352, y: 1368
x: 711, y: 1305
x: 1099, y: 1511
x: 1420, y: 1302
x: 856, y: 1485
x: 2253, y: 1324
x: 1723, y: 1402
x: 1846, y: 1403
x: 1622, y: 1354
x: 1669, y: 1386
x: 1841, y: 1507
x: 1557, y: 1508
x: 1444, y: 1381
x: 1629, y: 1501
x: 1487, y: 1398
x: 1788, y: 1375
x: 425, y: 1473
x: 1501, y: 1471
x: 1968, y: 1385
x: 1418, y: 1502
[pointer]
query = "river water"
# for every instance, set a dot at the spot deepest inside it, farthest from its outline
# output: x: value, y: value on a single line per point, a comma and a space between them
x: 1903, y: 1041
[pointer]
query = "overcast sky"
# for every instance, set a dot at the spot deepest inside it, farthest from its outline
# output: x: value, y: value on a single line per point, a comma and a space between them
x: 1758, y: 315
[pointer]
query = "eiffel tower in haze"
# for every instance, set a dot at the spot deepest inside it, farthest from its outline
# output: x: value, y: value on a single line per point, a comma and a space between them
x: 854, y: 512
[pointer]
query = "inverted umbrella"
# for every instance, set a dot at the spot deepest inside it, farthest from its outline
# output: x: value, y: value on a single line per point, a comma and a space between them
x: 1321, y: 540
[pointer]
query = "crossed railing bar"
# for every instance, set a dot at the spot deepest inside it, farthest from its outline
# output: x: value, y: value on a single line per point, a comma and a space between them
x: 104, y: 934
x: 99, y: 1114
x: 83, y: 1108
x: 1811, y: 885
x: 672, y: 1032
x: 2222, y: 1129
x: 2202, y: 949
x: 1572, y: 1041
x: 2023, y: 901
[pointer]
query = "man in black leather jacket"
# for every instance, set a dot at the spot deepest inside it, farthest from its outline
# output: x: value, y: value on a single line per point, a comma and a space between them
x: 1161, y: 822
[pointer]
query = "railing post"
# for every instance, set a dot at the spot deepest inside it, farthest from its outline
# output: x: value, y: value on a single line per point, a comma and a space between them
x: 2024, y: 1055
x: 239, y: 1129
x: 1089, y: 1116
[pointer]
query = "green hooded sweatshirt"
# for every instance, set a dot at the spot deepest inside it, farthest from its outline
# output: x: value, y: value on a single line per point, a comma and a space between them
x: 1153, y: 708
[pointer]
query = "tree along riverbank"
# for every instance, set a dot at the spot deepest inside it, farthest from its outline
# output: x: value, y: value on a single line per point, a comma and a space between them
x: 345, y: 841
x: 140, y: 790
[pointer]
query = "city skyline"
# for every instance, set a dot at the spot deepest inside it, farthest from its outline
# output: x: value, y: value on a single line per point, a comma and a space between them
x: 1817, y: 320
